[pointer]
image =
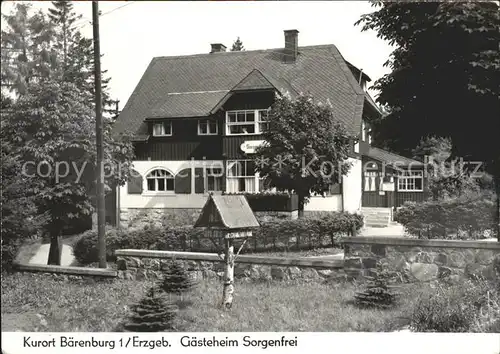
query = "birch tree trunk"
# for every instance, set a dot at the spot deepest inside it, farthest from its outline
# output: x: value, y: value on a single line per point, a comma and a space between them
x: 228, y: 290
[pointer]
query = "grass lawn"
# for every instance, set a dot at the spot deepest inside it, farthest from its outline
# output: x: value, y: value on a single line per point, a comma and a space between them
x: 38, y: 302
x: 276, y: 306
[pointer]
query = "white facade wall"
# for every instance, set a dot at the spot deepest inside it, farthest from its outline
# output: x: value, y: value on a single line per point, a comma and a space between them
x: 352, y: 188
x: 329, y: 203
x: 165, y: 200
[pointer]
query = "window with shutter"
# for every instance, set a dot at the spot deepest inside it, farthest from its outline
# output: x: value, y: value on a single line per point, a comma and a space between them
x: 134, y: 182
x: 199, y: 181
x: 183, y: 181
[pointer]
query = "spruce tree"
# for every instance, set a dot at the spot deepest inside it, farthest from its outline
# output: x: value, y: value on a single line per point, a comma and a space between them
x: 237, y: 46
x: 152, y: 314
x: 76, y: 52
x: 379, y: 291
x: 176, y: 279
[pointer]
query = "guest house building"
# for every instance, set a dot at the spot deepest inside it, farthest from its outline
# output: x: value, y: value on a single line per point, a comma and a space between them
x: 197, y: 119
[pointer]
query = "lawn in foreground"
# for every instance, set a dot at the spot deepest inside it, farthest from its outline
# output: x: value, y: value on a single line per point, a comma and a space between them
x: 38, y: 302
x: 278, y: 306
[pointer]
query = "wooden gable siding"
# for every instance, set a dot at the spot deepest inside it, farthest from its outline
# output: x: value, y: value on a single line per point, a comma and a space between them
x: 250, y: 100
x: 184, y: 144
x: 243, y: 100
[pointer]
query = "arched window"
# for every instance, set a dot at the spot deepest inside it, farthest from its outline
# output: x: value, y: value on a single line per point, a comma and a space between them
x: 160, y: 181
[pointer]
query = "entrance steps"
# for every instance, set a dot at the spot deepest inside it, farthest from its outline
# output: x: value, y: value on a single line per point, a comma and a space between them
x: 377, y: 217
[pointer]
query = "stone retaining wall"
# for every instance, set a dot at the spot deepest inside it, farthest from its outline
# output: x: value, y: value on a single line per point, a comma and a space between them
x: 422, y: 260
x: 140, y: 217
x: 143, y: 264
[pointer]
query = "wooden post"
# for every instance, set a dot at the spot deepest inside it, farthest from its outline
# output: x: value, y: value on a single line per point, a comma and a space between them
x: 101, y: 214
x: 228, y: 290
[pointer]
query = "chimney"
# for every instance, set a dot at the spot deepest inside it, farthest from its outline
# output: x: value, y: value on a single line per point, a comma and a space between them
x: 217, y: 48
x: 291, y: 45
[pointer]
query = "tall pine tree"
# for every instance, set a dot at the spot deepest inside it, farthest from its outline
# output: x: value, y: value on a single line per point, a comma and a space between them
x: 27, y: 55
x: 75, y: 52
x: 237, y: 45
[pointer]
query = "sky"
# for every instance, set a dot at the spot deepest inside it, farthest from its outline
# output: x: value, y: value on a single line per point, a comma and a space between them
x: 133, y: 32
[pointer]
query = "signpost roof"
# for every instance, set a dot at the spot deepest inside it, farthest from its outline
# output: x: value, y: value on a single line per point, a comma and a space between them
x: 227, y: 211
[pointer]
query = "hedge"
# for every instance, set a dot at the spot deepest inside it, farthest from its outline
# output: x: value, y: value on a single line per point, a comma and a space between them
x: 460, y: 218
x: 284, y: 235
x: 272, y: 201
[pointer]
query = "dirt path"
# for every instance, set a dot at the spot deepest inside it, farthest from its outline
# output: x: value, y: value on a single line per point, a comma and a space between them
x: 42, y: 255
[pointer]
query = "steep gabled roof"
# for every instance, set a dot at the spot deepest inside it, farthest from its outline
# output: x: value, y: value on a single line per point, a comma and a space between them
x: 318, y: 70
x: 229, y: 211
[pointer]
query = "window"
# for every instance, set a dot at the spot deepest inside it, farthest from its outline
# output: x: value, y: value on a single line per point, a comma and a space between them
x: 370, y: 181
x: 162, y: 129
x: 241, y: 176
x: 207, y: 127
x: 214, y: 179
x: 363, y: 131
x: 411, y: 181
x: 160, y: 181
x: 356, y: 148
x: 369, y: 136
x: 246, y: 122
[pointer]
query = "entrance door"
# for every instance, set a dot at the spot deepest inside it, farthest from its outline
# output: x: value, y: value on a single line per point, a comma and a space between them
x: 373, y: 194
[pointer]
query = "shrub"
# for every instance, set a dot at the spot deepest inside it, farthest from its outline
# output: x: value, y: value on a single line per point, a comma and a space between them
x: 466, y: 217
x: 176, y: 279
x: 272, y: 201
x: 306, y: 233
x: 378, y: 292
x: 467, y: 307
x: 152, y: 314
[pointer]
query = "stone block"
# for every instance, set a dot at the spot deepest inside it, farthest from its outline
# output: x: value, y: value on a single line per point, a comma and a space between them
x: 474, y: 270
x: 254, y: 272
x: 325, y: 272
x: 206, y: 265
x: 496, y: 264
x: 457, y: 259
x: 369, y: 262
x: 378, y: 250
x: 191, y: 265
x: 279, y: 273
x: 151, y: 263
x: 441, y: 258
x: 241, y: 270
x: 309, y: 273
x: 265, y: 273
x: 133, y: 262
x: 444, y: 272
x: 484, y: 257
x: 424, y: 271
x: 141, y: 274
x: 294, y: 272
x: 164, y: 265
x: 209, y: 274
x: 129, y: 275
x: 352, y: 263
x: 121, y: 264
x: 489, y: 272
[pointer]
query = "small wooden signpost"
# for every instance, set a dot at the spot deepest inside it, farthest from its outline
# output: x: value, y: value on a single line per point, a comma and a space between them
x: 226, y: 218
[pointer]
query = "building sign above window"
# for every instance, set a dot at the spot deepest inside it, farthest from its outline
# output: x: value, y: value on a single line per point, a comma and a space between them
x: 249, y: 146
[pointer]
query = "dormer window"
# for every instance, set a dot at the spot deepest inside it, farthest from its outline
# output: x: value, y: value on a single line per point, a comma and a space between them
x: 246, y: 122
x: 207, y: 127
x: 162, y: 129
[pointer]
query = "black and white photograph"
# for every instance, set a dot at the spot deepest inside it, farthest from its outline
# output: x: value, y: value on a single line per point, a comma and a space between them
x: 232, y: 176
